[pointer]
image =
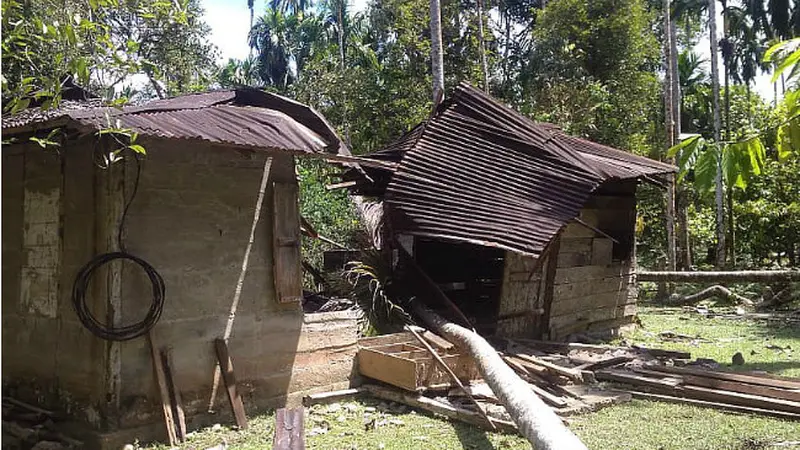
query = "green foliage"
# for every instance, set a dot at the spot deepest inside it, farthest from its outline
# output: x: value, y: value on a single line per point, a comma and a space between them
x: 330, y: 212
x: 786, y: 56
x: 368, y: 281
x: 100, y: 44
x: 592, y: 71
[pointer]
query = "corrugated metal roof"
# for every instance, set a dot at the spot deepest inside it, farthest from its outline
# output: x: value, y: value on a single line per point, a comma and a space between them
x: 482, y: 173
x: 243, y: 117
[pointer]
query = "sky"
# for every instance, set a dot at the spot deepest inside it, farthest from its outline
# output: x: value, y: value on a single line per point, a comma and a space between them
x: 229, y: 21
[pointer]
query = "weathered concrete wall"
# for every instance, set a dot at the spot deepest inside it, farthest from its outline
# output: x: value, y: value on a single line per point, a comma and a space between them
x: 48, y: 228
x: 191, y: 220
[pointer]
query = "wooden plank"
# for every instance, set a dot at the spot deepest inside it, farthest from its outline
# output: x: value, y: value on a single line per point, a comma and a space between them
x: 550, y: 273
x: 286, y: 243
x: 626, y: 377
x: 550, y: 399
x: 745, y: 388
x: 332, y: 396
x: 786, y: 383
x: 228, y: 376
x: 584, y: 274
x: 387, y: 368
x: 574, y: 375
x: 738, y: 398
x: 589, y: 316
x: 174, y: 394
x: 393, y: 338
x: 578, y: 305
x: 436, y: 407
x: 289, y: 433
x: 715, y: 405
x: 605, y: 363
x: 160, y: 376
x: 602, y: 250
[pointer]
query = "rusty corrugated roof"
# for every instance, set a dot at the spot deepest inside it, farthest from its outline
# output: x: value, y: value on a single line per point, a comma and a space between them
x: 482, y: 173
x: 243, y: 117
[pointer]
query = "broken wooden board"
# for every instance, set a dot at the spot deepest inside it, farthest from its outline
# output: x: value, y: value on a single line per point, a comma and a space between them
x: 289, y: 430
x: 772, y: 381
x: 332, y: 396
x: 226, y: 368
x: 163, y: 390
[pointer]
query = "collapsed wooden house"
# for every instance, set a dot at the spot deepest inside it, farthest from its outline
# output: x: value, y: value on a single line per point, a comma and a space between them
x: 528, y: 230
x: 212, y: 211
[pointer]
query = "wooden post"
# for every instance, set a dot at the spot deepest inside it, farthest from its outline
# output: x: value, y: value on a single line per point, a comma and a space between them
x: 289, y: 426
x: 549, y: 280
x: 226, y: 367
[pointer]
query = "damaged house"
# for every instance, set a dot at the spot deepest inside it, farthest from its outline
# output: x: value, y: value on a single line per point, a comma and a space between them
x: 527, y: 230
x: 162, y: 256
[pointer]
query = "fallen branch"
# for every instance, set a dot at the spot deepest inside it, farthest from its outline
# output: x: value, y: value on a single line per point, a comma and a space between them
x: 536, y: 421
x: 713, y: 291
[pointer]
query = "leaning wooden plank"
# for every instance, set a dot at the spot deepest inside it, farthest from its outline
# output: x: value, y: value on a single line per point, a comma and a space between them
x: 436, y: 407
x: 437, y: 340
x: 786, y: 383
x: 715, y: 405
x: 289, y: 434
x: 226, y: 367
x: 450, y: 373
x: 332, y: 396
x: 174, y: 395
x: 737, y: 398
x: 550, y: 399
x: 166, y: 405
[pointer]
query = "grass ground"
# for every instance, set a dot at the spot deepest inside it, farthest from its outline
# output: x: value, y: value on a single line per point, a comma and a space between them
x: 368, y: 424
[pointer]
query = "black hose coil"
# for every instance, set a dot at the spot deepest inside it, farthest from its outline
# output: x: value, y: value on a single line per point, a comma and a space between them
x: 112, y: 333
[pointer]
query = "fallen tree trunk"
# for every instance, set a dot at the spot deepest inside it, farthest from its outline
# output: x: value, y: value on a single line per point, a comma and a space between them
x: 742, y: 276
x: 535, y: 420
x: 713, y: 291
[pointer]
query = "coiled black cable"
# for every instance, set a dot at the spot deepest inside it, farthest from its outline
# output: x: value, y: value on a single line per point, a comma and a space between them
x: 81, y: 285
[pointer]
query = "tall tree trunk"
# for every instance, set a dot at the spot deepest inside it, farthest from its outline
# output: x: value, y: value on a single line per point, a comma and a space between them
x: 437, y: 54
x: 340, y: 15
x: 669, y: 122
x: 482, y: 42
x: 535, y: 420
x: 719, y: 189
x: 682, y: 230
x: 727, y: 69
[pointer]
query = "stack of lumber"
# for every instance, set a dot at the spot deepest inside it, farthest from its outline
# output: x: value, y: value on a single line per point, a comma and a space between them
x: 28, y: 426
x: 752, y: 393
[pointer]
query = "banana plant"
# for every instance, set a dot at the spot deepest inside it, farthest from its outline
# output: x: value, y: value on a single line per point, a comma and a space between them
x: 740, y: 161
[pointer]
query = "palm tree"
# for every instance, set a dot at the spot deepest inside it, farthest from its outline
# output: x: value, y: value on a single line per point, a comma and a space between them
x: 269, y: 37
x: 482, y: 46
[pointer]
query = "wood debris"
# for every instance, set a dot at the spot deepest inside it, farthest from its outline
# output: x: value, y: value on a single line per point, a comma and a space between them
x: 28, y: 426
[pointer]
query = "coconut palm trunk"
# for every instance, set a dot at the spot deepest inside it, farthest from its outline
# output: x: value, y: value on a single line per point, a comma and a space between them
x: 482, y: 45
x: 536, y: 421
x: 669, y: 122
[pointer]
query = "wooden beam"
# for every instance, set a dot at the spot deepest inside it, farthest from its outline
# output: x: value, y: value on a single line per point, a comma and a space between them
x: 332, y: 396
x: 742, y: 276
x: 785, y: 383
x: 715, y: 405
x: 160, y: 376
x: 289, y: 434
x: 574, y: 375
x: 738, y: 398
x: 226, y: 368
x: 744, y: 388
